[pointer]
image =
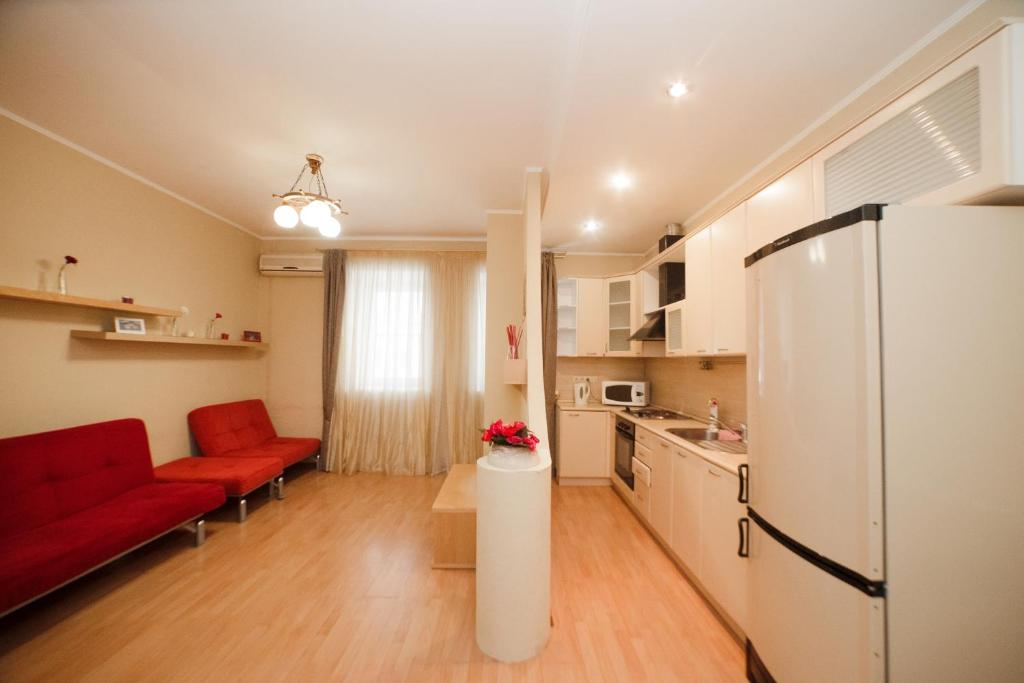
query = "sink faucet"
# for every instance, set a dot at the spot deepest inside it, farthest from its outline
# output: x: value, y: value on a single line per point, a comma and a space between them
x: 715, y: 423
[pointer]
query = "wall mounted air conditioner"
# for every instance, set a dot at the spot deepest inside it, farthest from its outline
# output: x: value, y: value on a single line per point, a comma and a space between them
x: 957, y: 138
x: 293, y: 265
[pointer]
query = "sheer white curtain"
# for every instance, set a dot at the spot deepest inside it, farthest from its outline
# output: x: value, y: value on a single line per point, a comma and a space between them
x: 410, y: 381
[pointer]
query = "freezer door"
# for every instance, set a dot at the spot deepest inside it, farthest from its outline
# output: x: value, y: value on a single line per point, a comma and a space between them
x: 807, y: 626
x: 814, y: 406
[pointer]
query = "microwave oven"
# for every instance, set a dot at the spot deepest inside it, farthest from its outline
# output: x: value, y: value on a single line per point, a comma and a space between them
x: 623, y: 393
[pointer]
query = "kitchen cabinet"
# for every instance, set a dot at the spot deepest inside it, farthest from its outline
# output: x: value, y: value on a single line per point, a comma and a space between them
x: 623, y: 313
x: 581, y: 326
x: 728, y: 282
x: 722, y: 571
x: 697, y: 340
x: 661, y: 489
x: 687, y: 478
x: 674, y: 314
x: 582, y: 445
x: 782, y: 207
x: 642, y: 458
x: 714, y: 323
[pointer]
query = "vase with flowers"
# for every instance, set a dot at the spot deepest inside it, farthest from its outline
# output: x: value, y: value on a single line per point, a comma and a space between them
x: 513, y: 446
x: 62, y: 278
x: 212, y: 324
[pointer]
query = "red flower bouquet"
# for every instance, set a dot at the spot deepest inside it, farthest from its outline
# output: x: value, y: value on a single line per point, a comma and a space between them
x: 515, y: 434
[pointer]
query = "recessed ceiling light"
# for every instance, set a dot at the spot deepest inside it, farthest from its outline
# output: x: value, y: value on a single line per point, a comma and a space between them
x: 678, y: 89
x: 621, y: 181
x: 591, y: 225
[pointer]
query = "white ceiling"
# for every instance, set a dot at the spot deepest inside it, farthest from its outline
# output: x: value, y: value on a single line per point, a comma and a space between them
x: 428, y: 112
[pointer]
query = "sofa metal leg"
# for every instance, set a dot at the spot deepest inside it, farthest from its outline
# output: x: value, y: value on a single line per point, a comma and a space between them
x: 199, y: 529
x: 242, y: 510
x: 318, y: 463
x: 278, y: 484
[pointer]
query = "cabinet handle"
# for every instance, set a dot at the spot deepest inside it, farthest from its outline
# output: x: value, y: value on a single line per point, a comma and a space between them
x: 713, y: 473
x: 702, y: 350
x: 744, y: 494
x: 723, y: 349
x: 744, y: 525
x: 572, y: 414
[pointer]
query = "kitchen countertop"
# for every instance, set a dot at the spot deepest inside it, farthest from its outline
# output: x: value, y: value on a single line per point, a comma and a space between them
x: 727, y: 461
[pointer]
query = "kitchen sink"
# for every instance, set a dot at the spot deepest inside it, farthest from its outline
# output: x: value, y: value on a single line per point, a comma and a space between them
x: 722, y: 440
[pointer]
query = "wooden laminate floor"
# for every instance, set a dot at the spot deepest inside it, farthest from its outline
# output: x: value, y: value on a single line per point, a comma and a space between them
x: 334, y: 583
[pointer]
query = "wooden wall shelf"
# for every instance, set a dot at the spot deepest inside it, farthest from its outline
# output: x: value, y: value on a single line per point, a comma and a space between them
x: 84, y: 302
x: 158, y: 339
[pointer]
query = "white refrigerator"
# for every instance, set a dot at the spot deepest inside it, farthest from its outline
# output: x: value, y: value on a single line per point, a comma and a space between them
x: 885, y: 389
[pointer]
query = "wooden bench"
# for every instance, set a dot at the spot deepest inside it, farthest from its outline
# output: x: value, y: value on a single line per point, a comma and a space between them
x: 454, y: 520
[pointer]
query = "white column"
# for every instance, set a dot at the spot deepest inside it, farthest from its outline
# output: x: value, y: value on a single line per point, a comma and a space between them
x: 513, y: 559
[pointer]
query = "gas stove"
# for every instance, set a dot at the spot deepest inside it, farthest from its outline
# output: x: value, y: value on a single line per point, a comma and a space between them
x: 655, y: 414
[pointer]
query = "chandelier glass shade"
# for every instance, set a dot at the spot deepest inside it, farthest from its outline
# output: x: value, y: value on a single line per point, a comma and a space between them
x: 309, y: 203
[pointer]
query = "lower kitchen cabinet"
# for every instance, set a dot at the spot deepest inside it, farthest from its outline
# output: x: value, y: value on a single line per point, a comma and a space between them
x: 722, y: 571
x: 642, y: 479
x: 582, y: 444
x: 661, y: 489
x: 687, y: 474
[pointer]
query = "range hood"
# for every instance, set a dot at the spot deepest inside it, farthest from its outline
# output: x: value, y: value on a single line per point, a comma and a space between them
x: 653, y: 328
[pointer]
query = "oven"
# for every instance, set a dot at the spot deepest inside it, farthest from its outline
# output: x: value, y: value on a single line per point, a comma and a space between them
x: 625, y: 436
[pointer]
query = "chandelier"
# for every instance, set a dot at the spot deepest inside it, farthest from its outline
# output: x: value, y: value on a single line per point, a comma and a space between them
x: 313, y: 206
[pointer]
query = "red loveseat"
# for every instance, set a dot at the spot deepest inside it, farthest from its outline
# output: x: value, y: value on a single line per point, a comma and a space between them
x: 243, y: 429
x: 75, y: 499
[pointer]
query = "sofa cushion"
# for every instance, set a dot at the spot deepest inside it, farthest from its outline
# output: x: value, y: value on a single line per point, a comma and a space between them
x: 238, y: 476
x: 289, y: 450
x: 230, y: 426
x: 36, y: 560
x: 51, y: 475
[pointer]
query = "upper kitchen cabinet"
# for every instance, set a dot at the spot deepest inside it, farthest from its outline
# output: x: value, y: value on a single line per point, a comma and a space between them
x: 623, y: 314
x: 956, y: 138
x: 714, y: 323
x: 728, y: 282
x: 674, y: 314
x: 581, y: 327
x: 697, y: 337
x: 782, y: 207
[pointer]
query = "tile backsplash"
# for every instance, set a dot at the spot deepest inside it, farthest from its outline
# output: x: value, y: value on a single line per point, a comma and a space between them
x: 676, y: 383
x: 680, y: 384
x: 599, y: 368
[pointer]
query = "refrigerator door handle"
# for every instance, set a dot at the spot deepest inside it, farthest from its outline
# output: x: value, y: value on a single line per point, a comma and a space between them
x: 744, y: 525
x: 744, y: 494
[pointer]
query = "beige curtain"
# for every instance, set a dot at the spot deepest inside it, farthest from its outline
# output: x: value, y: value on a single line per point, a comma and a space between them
x: 334, y: 299
x: 549, y: 336
x: 409, y: 396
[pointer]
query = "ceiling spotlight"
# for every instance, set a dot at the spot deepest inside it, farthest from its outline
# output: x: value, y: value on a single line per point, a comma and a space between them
x: 591, y: 225
x: 621, y: 181
x: 678, y: 89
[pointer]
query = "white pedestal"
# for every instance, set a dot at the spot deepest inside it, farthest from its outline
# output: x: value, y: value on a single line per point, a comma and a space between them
x: 513, y: 560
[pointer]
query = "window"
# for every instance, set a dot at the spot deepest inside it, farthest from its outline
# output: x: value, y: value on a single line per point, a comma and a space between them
x: 385, y: 335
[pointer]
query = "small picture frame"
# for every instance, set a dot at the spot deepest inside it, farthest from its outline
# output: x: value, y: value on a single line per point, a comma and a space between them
x: 252, y: 336
x: 130, y: 325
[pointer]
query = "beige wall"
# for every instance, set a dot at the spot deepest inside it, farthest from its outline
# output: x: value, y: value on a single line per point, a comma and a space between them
x: 294, y: 367
x: 299, y: 246
x: 130, y: 240
x: 506, y: 276
x: 596, y: 265
x: 680, y: 384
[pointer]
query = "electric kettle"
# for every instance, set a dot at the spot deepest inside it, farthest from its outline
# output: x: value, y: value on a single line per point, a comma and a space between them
x: 581, y: 392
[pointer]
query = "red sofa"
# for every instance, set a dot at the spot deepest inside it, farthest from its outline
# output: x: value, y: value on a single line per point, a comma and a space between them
x: 243, y: 429
x: 75, y: 499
